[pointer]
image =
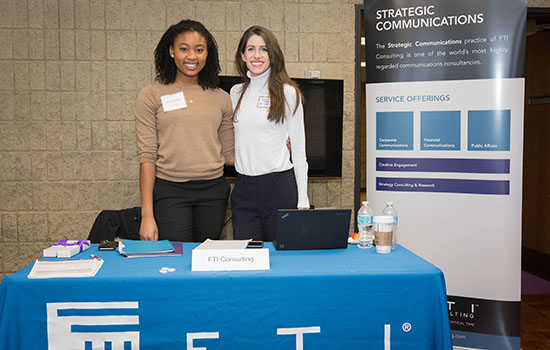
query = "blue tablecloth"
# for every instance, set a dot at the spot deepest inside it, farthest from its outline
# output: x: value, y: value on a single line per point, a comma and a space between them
x: 312, y: 300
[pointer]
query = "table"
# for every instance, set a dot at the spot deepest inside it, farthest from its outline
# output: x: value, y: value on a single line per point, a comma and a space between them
x: 311, y: 300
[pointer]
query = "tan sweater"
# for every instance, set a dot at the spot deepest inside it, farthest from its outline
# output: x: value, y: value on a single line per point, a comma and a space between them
x: 192, y: 143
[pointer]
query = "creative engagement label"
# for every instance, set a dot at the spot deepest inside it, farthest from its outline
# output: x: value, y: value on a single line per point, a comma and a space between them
x: 230, y: 259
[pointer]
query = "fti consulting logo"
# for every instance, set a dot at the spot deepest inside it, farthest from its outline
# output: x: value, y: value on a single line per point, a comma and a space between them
x: 104, y: 325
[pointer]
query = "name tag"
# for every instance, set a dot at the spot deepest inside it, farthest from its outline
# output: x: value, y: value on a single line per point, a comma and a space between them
x: 173, y: 101
x: 263, y: 102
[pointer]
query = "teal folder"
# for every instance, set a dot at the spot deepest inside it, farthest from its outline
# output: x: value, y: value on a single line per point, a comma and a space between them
x: 129, y: 246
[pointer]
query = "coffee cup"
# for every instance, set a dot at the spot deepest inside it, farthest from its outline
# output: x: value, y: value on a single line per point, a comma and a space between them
x: 383, y: 232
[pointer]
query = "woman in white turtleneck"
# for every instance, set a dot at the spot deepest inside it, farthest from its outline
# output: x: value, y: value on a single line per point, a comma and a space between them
x: 267, y: 111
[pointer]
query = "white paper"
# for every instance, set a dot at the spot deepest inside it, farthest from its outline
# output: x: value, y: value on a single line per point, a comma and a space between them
x: 223, y: 244
x: 60, y: 251
x: 173, y: 101
x: 65, y: 268
x: 263, y: 102
x: 230, y: 259
x: 50, y: 252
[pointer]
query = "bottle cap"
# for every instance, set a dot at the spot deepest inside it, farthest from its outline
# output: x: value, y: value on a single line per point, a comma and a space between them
x: 365, y: 202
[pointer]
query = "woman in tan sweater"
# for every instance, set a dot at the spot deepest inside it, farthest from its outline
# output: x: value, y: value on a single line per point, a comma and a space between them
x: 185, y: 136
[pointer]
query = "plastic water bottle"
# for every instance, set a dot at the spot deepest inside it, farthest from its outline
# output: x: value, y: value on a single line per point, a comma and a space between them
x: 365, y: 237
x: 390, y: 210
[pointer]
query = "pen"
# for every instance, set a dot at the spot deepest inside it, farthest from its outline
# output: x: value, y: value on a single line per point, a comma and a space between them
x: 95, y: 257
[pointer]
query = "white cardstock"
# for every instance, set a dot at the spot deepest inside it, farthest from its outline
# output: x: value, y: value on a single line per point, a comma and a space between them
x: 230, y: 259
x: 173, y: 101
x: 264, y: 102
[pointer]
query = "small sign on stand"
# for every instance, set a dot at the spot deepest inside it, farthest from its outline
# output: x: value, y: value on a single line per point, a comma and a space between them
x: 228, y: 256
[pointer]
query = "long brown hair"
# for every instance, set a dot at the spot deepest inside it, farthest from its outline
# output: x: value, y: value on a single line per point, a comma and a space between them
x: 278, y: 76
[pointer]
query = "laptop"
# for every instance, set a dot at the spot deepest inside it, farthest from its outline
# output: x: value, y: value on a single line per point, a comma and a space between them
x: 312, y: 229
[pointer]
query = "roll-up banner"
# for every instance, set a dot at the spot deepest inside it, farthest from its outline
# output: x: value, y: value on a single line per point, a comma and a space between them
x: 445, y: 99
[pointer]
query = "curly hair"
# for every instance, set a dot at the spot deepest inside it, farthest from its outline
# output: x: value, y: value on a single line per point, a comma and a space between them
x: 164, y: 64
x: 278, y: 76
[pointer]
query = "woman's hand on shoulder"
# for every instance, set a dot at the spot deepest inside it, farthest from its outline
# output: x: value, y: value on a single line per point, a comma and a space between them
x: 230, y: 162
x: 148, y: 231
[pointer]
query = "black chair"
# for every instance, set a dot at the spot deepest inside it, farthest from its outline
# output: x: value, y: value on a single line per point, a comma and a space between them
x: 110, y: 224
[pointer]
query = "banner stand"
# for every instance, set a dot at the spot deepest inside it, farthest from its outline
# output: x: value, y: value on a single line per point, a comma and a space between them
x: 444, y: 104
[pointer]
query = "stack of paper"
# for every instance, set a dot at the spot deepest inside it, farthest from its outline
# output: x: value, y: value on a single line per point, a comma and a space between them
x: 140, y: 249
x: 66, y: 248
x: 223, y: 244
x: 65, y: 268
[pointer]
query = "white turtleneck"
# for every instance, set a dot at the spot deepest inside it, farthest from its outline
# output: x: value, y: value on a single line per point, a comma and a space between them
x: 260, y: 145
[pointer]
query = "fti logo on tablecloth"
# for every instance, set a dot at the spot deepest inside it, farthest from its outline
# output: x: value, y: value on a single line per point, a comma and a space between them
x: 93, y: 325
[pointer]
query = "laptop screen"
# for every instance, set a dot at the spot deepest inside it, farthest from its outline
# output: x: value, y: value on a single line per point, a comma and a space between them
x: 312, y: 229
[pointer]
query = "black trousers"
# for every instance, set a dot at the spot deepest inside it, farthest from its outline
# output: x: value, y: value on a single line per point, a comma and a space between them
x: 190, y: 211
x: 255, y: 200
